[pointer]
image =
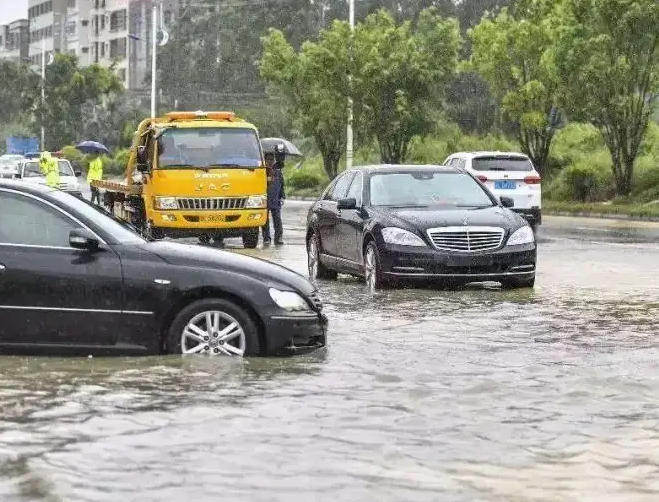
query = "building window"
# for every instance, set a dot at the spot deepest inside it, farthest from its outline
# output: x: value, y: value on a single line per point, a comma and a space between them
x: 85, y: 50
x: 71, y: 4
x: 85, y: 22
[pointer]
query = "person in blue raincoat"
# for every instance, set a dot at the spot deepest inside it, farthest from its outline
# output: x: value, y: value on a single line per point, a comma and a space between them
x: 276, y: 196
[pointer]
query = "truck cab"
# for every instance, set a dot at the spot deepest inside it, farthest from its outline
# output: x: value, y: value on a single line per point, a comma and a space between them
x: 194, y: 174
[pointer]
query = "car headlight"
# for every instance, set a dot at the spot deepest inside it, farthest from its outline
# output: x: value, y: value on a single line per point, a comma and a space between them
x: 288, y: 300
x: 167, y: 203
x: 256, y: 202
x: 400, y: 237
x: 522, y: 235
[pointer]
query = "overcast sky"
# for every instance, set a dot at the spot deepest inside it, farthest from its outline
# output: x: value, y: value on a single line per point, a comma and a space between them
x: 11, y: 10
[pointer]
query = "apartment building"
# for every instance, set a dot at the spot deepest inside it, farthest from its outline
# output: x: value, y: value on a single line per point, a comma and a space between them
x: 15, y: 40
x: 112, y: 33
x: 47, y: 20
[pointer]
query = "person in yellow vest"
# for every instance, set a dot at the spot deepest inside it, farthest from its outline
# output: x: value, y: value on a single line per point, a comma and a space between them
x: 95, y: 173
x: 50, y: 169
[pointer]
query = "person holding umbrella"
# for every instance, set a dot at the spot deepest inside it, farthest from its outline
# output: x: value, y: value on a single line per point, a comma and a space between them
x: 274, y: 167
x: 95, y: 170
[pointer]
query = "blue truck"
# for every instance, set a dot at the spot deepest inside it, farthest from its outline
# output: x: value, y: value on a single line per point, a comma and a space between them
x: 20, y: 145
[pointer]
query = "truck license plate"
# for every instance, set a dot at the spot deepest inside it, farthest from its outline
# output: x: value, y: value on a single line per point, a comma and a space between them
x: 212, y: 217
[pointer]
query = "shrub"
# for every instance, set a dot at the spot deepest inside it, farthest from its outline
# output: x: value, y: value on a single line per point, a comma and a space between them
x: 588, y: 179
x: 573, y: 142
x: 300, y: 179
x: 646, y: 178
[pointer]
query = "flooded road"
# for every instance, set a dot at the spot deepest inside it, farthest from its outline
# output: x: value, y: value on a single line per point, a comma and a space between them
x: 464, y: 396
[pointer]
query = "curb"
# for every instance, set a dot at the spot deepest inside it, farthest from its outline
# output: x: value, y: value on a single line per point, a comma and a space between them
x: 601, y: 216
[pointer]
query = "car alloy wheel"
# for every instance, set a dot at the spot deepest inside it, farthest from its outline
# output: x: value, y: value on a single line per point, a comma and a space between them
x: 312, y: 258
x: 371, y: 268
x: 215, y: 333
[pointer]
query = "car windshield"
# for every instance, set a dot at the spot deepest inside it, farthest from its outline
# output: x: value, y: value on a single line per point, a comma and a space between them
x: 32, y: 170
x: 208, y: 147
x: 121, y: 231
x: 501, y: 163
x: 427, y: 188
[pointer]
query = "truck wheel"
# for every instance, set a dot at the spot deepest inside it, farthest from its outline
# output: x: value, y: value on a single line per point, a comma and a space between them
x: 204, y: 239
x: 251, y: 239
x: 153, y: 232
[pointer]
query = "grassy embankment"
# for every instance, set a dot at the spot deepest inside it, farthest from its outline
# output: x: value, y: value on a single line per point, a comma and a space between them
x: 579, y: 179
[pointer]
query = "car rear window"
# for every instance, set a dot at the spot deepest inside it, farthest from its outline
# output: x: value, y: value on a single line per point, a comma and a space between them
x: 501, y: 163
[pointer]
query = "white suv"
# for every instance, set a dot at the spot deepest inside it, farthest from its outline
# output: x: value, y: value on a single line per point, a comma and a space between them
x: 505, y: 173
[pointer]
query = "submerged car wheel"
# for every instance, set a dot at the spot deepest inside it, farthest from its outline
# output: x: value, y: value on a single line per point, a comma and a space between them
x: 372, y: 268
x: 518, y: 283
x: 316, y: 269
x: 213, y: 327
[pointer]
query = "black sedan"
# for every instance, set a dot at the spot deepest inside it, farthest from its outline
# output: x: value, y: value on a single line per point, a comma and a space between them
x: 74, y: 280
x: 394, y: 224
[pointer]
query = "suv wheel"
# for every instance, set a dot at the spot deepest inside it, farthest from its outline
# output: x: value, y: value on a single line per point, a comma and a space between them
x: 316, y: 268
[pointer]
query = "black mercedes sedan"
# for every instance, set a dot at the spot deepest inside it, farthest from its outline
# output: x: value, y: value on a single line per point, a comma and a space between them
x: 397, y: 223
x: 75, y: 280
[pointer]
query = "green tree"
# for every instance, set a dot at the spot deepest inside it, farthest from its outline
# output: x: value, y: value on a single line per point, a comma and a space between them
x: 314, y: 83
x: 18, y: 90
x: 511, y: 54
x: 607, y: 59
x: 401, y: 72
x: 71, y: 93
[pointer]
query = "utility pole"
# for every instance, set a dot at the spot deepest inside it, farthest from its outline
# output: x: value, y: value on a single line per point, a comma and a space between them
x: 43, y: 93
x: 154, y: 45
x: 350, y: 104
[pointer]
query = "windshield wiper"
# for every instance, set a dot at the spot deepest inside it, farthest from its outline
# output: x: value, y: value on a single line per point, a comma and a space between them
x: 229, y: 165
x: 203, y: 168
x: 474, y: 206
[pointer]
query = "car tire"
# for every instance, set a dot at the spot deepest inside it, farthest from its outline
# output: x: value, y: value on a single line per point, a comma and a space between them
x: 183, y: 338
x: 373, y: 268
x: 518, y: 283
x: 317, y: 271
x: 204, y: 239
x: 251, y: 239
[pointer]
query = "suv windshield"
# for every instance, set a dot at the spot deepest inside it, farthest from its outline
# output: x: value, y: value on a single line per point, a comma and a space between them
x: 501, y: 163
x: 208, y: 147
x: 427, y: 188
x: 31, y: 169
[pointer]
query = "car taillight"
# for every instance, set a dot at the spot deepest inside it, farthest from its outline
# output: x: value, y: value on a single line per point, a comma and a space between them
x: 482, y: 178
x: 532, y: 180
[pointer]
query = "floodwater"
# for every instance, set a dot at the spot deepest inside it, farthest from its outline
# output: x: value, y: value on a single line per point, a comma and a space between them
x: 452, y: 396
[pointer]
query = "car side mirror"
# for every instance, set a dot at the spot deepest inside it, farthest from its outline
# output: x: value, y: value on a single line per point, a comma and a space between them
x: 507, y: 201
x: 77, y: 172
x: 17, y: 176
x: 142, y: 156
x: 80, y: 238
x: 346, y: 204
x: 143, y: 168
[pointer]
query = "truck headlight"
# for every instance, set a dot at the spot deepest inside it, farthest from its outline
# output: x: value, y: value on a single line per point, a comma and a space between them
x: 256, y: 202
x: 523, y: 235
x: 167, y: 203
x: 289, y: 300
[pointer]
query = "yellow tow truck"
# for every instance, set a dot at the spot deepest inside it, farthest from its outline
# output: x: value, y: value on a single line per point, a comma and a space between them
x: 193, y: 174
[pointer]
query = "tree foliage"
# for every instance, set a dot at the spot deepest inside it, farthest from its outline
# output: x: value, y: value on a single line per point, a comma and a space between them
x: 314, y: 82
x: 512, y: 54
x: 71, y: 93
x: 607, y: 60
x: 401, y: 72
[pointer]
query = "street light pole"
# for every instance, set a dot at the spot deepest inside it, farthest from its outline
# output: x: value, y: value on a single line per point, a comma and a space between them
x: 154, y: 45
x: 350, y: 104
x: 43, y: 93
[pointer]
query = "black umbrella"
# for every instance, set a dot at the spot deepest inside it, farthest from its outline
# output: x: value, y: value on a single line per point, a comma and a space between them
x: 92, y: 147
x: 269, y: 145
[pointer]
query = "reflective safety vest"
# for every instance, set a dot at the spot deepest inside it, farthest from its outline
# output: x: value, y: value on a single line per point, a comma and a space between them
x: 95, y: 171
x: 52, y: 176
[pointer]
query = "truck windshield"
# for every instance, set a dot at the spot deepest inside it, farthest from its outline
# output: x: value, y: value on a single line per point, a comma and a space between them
x: 31, y: 169
x: 208, y: 147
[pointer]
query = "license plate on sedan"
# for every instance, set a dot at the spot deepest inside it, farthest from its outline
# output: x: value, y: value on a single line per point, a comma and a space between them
x: 505, y: 185
x: 212, y: 217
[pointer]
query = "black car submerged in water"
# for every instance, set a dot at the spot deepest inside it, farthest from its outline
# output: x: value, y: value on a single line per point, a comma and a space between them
x: 394, y: 223
x: 75, y: 281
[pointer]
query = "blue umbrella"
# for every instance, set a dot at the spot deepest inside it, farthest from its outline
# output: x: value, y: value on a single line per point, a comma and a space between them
x: 92, y: 147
